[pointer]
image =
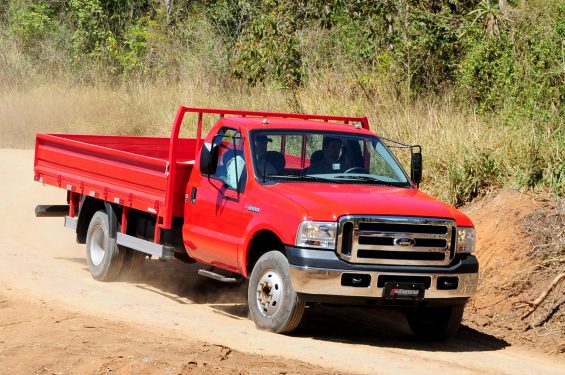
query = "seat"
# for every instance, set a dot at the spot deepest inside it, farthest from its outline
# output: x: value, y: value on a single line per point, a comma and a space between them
x: 233, y: 169
x: 316, y: 157
x: 276, y: 159
x: 230, y: 154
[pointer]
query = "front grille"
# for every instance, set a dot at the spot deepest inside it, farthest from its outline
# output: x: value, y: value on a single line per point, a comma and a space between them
x: 396, y: 240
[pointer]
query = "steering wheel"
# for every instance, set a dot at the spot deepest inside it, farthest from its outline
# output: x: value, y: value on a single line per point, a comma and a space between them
x: 356, y: 169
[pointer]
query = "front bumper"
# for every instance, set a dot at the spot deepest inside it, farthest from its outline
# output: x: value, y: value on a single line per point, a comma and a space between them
x: 320, y: 273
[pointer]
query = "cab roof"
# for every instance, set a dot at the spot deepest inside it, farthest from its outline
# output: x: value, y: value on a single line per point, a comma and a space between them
x: 277, y: 123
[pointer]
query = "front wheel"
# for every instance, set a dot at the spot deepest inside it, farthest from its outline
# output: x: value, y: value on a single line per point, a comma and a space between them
x: 435, y: 323
x: 273, y: 304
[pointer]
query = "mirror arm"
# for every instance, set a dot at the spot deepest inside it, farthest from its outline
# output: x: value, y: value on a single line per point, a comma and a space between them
x: 237, y: 177
x: 208, y: 174
x: 213, y: 184
x: 416, y: 179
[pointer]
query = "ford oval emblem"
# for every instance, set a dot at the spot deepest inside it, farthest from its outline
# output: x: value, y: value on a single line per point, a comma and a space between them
x: 404, y: 241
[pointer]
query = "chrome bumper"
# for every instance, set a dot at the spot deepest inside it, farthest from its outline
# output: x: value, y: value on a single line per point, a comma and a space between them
x: 319, y: 281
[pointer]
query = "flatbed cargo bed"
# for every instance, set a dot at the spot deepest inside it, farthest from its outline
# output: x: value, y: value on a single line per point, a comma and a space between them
x: 130, y: 171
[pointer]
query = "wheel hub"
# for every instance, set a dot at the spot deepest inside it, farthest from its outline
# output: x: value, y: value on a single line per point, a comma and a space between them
x: 97, y: 246
x: 269, y: 293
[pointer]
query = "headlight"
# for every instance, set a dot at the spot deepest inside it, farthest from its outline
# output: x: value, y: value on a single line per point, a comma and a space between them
x: 317, y: 234
x: 465, y: 240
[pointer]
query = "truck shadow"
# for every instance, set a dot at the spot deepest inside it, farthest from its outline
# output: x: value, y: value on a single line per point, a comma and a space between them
x: 358, y: 325
x: 370, y: 326
x: 175, y: 278
x: 382, y: 327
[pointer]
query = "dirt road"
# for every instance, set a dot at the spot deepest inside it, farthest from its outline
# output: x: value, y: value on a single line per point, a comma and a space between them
x: 39, y: 260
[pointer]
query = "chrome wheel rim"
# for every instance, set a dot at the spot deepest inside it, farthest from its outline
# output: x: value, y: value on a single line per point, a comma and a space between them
x: 269, y: 293
x: 97, y: 246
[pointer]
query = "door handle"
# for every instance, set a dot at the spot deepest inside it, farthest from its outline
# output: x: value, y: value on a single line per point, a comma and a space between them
x: 193, y: 196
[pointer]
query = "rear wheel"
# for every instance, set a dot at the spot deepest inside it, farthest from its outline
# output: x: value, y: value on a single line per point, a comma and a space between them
x: 273, y: 304
x: 435, y: 323
x: 104, y: 257
x: 133, y: 263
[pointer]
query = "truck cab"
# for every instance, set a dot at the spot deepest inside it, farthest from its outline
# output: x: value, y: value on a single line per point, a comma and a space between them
x: 333, y: 215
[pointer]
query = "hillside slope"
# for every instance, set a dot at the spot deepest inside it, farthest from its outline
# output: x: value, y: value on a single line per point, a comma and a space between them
x: 521, y: 249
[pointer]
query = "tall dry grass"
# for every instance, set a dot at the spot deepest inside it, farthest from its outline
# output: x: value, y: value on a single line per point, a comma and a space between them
x: 464, y: 155
x: 136, y: 109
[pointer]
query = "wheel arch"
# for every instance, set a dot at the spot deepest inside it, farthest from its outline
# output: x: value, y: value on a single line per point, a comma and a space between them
x: 89, y: 206
x: 262, y: 242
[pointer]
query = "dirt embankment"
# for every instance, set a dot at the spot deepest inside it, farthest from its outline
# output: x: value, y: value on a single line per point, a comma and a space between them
x: 521, y: 249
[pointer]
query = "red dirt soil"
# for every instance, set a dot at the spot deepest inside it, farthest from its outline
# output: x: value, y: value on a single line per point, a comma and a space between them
x: 509, y: 227
x: 38, y: 338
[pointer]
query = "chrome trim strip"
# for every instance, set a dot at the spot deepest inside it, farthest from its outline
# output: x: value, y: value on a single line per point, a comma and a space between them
x: 382, y: 234
x: 421, y: 249
x: 328, y: 282
x: 398, y: 262
x: 418, y: 220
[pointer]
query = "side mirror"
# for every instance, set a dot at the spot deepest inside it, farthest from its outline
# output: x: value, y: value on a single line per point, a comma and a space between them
x: 416, y: 165
x: 209, y: 158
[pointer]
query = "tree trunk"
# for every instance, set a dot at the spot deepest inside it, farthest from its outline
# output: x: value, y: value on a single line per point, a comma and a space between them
x: 169, y: 6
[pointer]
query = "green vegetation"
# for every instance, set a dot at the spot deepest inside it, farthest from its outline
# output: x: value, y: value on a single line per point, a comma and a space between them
x: 481, y: 87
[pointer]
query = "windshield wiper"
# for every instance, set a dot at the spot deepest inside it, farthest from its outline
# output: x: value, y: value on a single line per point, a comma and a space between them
x: 368, y: 178
x: 295, y: 176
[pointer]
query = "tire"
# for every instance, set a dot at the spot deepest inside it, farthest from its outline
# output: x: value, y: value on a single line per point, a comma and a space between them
x: 104, y: 257
x: 273, y: 304
x: 435, y: 323
x: 133, y: 263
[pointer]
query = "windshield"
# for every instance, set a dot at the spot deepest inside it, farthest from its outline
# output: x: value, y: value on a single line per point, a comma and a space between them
x: 324, y: 157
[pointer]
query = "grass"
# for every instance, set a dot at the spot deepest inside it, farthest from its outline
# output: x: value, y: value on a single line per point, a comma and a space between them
x: 464, y: 155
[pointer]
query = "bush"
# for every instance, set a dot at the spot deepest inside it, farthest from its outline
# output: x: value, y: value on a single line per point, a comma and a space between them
x: 269, y: 48
x: 31, y: 25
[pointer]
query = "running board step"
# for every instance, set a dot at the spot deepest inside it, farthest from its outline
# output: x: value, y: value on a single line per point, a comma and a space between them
x: 218, y: 277
x: 147, y: 247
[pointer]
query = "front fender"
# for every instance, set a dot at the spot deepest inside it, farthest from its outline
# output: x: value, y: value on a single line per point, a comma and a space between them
x: 271, y: 212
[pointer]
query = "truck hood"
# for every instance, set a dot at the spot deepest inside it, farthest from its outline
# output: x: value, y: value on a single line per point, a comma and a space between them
x: 327, y: 202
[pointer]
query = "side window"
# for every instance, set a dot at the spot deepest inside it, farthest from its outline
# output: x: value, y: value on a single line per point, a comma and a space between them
x: 382, y: 164
x: 231, y: 160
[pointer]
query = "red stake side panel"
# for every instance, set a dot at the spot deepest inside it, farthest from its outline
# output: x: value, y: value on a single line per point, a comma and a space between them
x: 131, y: 171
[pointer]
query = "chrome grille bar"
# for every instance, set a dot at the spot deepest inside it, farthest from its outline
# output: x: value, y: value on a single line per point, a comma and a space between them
x: 366, y: 233
x: 402, y: 248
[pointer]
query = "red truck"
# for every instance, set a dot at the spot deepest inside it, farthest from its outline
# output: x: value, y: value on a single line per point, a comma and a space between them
x: 309, y: 208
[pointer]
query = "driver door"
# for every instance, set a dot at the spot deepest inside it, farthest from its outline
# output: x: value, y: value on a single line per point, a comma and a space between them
x: 215, y: 211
